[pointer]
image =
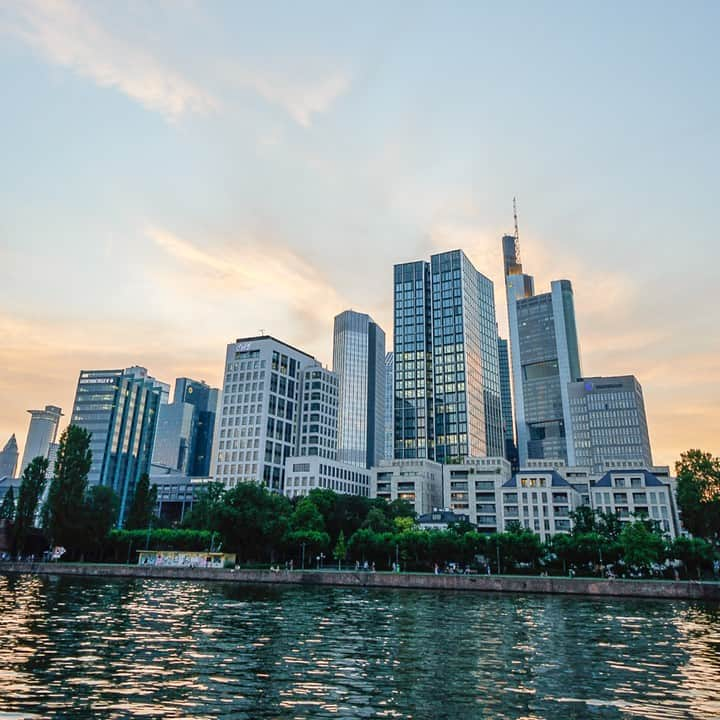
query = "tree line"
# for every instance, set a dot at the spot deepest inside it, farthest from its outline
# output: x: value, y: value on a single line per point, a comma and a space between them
x: 264, y: 527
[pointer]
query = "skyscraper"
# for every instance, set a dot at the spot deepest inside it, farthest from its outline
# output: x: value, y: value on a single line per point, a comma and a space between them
x: 183, y: 441
x: 318, y: 417
x: 359, y: 362
x: 389, y: 446
x: 447, y: 377
x: 9, y: 458
x: 41, y: 433
x: 506, y: 398
x: 545, y: 357
x: 120, y: 409
x: 609, y: 422
x: 257, y: 422
x: 205, y: 400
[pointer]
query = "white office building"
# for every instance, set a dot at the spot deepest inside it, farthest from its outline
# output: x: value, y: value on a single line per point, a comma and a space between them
x: 415, y: 480
x: 303, y: 474
x: 257, y: 423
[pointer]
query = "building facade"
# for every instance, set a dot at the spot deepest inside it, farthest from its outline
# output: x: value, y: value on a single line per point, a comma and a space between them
x: 120, y: 410
x: 447, y: 377
x: 359, y: 362
x: 472, y: 487
x: 175, y: 437
x: 609, y: 421
x: 204, y: 400
x: 507, y: 404
x: 318, y: 419
x: 417, y: 481
x: 303, y: 474
x: 544, y: 357
x: 257, y: 424
x: 42, y: 432
x: 389, y: 445
x: 9, y: 458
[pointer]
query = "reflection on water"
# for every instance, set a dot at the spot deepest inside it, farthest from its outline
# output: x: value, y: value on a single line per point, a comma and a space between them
x: 80, y: 648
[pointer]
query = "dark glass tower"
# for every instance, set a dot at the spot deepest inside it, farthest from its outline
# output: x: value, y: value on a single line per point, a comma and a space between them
x: 204, y: 399
x: 447, y: 378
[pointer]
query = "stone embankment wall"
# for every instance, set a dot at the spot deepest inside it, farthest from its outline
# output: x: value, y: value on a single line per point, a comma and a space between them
x: 417, y: 581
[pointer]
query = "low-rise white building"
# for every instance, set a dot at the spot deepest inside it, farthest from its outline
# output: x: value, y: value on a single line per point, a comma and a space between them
x: 473, y: 487
x: 638, y: 492
x: 305, y: 473
x: 417, y: 481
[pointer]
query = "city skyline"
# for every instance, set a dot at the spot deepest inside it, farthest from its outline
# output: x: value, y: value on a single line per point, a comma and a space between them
x: 216, y: 195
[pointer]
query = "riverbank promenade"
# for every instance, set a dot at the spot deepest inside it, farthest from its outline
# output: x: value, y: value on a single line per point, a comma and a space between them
x: 671, y: 590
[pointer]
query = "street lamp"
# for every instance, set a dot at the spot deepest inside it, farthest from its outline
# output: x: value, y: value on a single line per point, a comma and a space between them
x: 320, y: 558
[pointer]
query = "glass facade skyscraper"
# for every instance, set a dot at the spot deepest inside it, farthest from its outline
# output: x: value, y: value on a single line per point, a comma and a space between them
x: 447, y: 378
x: 204, y: 400
x: 545, y: 357
x: 42, y: 433
x: 120, y: 409
x: 507, y: 406
x: 389, y: 446
x: 9, y: 458
x: 359, y: 362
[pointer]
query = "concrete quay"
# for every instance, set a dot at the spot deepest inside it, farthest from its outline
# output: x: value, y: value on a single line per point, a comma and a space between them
x: 592, y: 587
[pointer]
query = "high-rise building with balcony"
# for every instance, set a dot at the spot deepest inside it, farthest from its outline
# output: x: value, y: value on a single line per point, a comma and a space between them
x: 447, y: 377
x: 359, y: 362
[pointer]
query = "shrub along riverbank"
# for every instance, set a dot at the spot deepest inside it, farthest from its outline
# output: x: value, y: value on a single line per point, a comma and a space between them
x: 324, y: 527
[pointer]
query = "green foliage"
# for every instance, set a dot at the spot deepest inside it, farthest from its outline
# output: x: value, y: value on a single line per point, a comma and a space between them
x: 100, y: 511
x: 307, y: 517
x: 583, y: 520
x: 31, y: 489
x: 641, y: 547
x: 252, y: 521
x: 205, y: 509
x: 340, y: 549
x: 377, y: 521
x: 7, y: 509
x: 698, y: 493
x: 315, y: 542
x: 403, y: 523
x: 121, y: 541
x: 609, y: 525
x: 695, y: 553
x: 63, y: 510
x: 141, y: 508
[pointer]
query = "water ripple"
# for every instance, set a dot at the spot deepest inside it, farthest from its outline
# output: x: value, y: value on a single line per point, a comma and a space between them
x: 88, y: 648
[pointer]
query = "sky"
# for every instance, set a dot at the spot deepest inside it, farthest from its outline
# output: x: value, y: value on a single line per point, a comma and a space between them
x: 177, y: 174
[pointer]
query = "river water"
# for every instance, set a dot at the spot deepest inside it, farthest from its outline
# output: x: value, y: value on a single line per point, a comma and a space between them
x: 81, y: 648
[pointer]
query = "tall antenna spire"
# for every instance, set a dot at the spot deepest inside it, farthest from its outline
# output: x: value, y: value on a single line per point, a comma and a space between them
x: 517, y: 233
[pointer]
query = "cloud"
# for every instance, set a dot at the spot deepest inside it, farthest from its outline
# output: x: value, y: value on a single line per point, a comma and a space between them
x: 302, y: 100
x: 268, y: 283
x: 66, y: 34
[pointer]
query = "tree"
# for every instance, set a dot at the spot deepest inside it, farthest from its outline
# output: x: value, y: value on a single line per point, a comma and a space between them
x: 306, y: 516
x: 63, y: 509
x: 340, y: 551
x: 609, y: 525
x: 376, y: 521
x: 7, y: 509
x: 641, y: 547
x: 31, y: 489
x: 403, y: 523
x: 204, y: 512
x: 142, y: 506
x: 698, y: 493
x: 583, y: 520
x: 100, y: 512
x: 695, y: 553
